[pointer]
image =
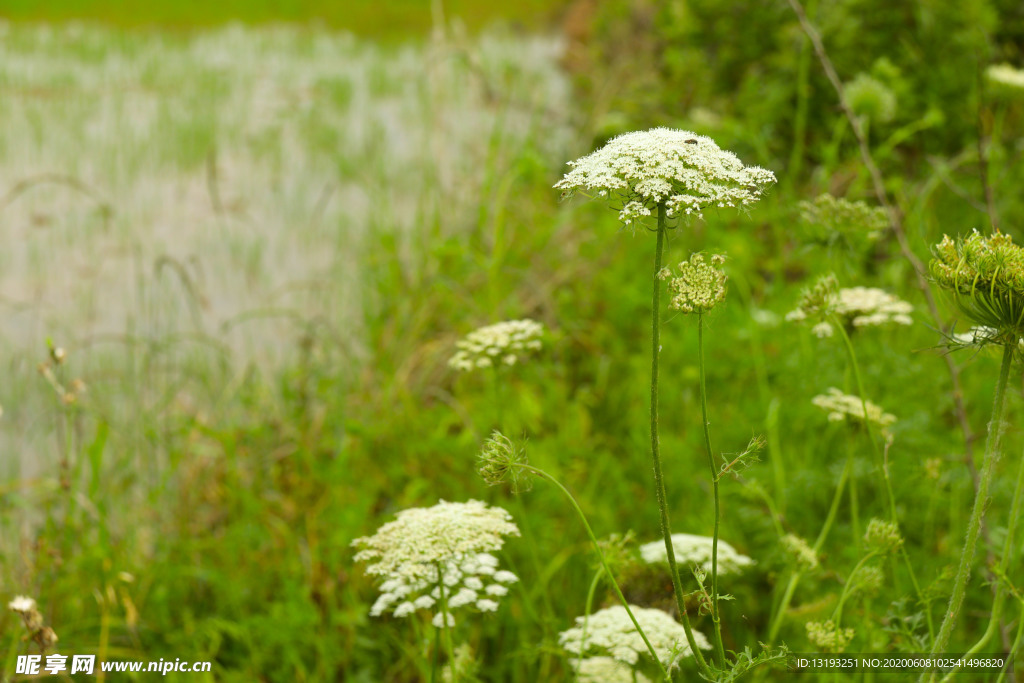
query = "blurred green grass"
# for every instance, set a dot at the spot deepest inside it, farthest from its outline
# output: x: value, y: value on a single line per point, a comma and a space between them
x: 390, y: 20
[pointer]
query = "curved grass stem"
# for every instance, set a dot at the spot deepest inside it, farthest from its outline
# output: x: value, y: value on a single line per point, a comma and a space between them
x: 607, y: 570
x: 883, y: 468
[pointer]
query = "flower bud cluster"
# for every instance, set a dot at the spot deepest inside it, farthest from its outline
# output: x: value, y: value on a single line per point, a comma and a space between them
x: 503, y: 343
x: 882, y: 536
x: 800, y: 552
x: 828, y: 636
x: 986, y: 277
x: 699, y: 286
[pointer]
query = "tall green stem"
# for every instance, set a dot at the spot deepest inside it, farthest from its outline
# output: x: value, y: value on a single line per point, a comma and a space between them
x: 719, y: 649
x: 611, y: 577
x: 883, y: 467
x: 992, y: 442
x: 449, y: 647
x: 659, y: 481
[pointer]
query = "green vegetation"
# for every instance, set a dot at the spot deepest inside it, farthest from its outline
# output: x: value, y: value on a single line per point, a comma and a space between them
x: 238, y: 262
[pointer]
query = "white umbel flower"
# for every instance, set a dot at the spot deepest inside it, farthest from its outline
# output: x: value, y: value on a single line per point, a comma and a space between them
x: 606, y: 670
x: 860, y: 307
x: 1006, y: 75
x: 686, y: 171
x: 22, y: 604
x: 696, y: 550
x: 840, y: 407
x: 610, y: 632
x: 503, y: 343
x: 431, y: 557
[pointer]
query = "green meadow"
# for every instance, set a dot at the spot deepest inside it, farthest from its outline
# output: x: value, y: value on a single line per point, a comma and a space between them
x: 242, y: 242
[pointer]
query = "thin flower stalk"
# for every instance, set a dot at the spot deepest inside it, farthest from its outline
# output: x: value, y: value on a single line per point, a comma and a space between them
x: 882, y: 466
x: 1009, y: 550
x: 611, y: 577
x: 715, y: 617
x: 992, y: 444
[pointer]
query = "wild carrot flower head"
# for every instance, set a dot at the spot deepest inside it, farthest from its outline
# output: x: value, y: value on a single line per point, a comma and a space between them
x: 685, y: 171
x: 606, y: 670
x: 434, y: 557
x: 829, y: 220
x: 610, y: 632
x: 986, y: 276
x: 696, y: 550
x: 504, y: 343
x: 800, y: 552
x: 857, y: 307
x: 828, y: 636
x: 699, y: 286
x: 840, y: 407
x: 882, y: 536
x: 501, y: 461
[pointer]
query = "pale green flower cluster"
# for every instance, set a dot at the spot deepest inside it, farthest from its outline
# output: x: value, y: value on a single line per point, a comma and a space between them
x: 800, y: 552
x: 869, y: 98
x: 431, y: 556
x: 882, y: 536
x: 828, y: 636
x: 830, y: 219
x: 696, y: 550
x: 503, y: 343
x: 840, y: 407
x: 860, y: 307
x: 869, y: 579
x: 606, y: 670
x: 699, y: 286
x: 610, y: 632
x: 1006, y: 75
x: 686, y: 171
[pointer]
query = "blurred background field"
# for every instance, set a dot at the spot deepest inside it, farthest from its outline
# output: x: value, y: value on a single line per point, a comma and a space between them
x: 258, y: 229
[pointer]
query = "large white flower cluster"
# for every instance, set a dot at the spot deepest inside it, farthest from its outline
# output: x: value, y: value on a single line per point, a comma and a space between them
x: 431, y: 556
x: 861, y: 307
x: 840, y: 406
x: 610, y: 632
x: 686, y: 171
x: 502, y: 343
x: 696, y: 550
x: 606, y: 670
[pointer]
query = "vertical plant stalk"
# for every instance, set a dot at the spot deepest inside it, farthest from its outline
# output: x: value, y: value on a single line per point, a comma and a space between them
x: 830, y: 519
x: 659, y: 480
x: 1009, y: 550
x: 611, y: 577
x: 992, y: 443
x: 880, y: 463
x: 449, y: 647
x: 715, y: 618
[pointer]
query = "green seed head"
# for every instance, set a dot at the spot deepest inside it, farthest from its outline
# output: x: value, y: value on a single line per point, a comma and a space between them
x: 882, y: 536
x: 501, y: 461
x: 986, y: 277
